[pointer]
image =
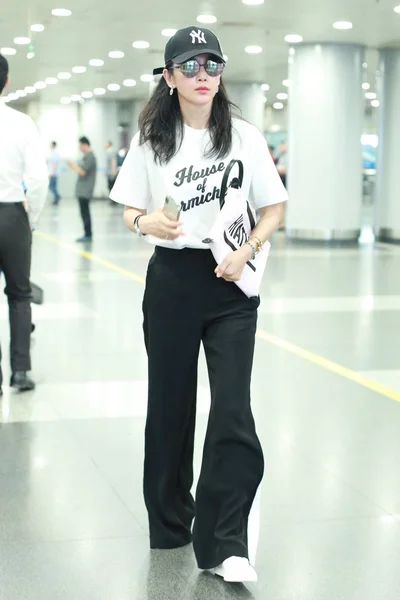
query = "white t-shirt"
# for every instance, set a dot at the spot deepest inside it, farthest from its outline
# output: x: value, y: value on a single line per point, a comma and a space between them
x: 194, y: 182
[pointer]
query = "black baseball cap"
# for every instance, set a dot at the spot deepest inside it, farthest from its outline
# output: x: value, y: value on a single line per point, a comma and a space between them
x: 188, y: 43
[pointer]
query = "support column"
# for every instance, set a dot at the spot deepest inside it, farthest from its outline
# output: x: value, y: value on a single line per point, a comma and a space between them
x: 250, y: 99
x: 387, y: 216
x: 325, y: 128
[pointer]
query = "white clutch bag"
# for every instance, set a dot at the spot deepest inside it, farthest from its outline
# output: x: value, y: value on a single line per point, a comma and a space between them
x: 232, y: 229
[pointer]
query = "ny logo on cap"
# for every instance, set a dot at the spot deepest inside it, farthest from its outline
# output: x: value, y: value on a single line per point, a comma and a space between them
x: 199, y: 36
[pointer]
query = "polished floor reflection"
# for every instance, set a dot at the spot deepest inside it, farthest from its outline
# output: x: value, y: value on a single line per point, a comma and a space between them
x: 72, y: 520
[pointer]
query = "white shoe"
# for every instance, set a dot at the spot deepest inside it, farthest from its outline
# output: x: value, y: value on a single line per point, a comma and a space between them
x: 236, y: 570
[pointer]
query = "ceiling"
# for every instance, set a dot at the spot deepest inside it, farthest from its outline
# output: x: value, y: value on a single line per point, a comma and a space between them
x: 99, y: 26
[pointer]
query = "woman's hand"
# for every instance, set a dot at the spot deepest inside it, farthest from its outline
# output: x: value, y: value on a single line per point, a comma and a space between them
x: 232, y: 266
x: 160, y: 226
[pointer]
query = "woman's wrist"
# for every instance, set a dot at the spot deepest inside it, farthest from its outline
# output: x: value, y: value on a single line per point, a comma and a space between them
x: 253, y: 246
x: 141, y: 222
x: 247, y: 251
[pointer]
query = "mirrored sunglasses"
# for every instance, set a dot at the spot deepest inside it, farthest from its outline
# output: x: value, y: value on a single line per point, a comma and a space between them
x: 191, y: 68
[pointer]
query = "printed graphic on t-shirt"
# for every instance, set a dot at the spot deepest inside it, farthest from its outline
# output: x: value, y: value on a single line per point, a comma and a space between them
x: 188, y: 175
x: 194, y: 181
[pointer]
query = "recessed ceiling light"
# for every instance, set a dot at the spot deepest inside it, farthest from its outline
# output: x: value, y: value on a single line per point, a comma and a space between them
x: 40, y: 85
x: 79, y: 69
x: 30, y: 89
x: 265, y: 87
x: 370, y: 95
x: 343, y: 25
x: 286, y: 83
x: 365, y: 65
x: 65, y: 100
x: 114, y: 87
x: 397, y: 9
x: 8, y: 51
x: 253, y: 2
x: 282, y: 96
x: 64, y: 75
x: 12, y: 97
x: 366, y: 86
x: 253, y: 49
x: 129, y: 83
x: 30, y: 55
x: 22, y: 41
x: 75, y: 97
x: 278, y: 105
x: 38, y: 28
x: 51, y: 80
x: 146, y: 78
x: 87, y: 95
x: 293, y: 38
x: 169, y: 32
x: 21, y: 93
x: 99, y: 91
x: 61, y: 12
x: 265, y: 100
x: 375, y: 103
x: 116, y: 54
x: 207, y: 19
x: 140, y: 45
x: 96, y: 62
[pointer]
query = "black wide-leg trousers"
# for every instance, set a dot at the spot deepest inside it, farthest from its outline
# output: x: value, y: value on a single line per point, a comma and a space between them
x: 185, y: 304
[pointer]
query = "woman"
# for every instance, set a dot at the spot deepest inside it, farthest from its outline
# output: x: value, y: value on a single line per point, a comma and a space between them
x: 186, y: 140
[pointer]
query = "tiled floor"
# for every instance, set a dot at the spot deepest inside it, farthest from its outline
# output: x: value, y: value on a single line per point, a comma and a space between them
x: 72, y: 520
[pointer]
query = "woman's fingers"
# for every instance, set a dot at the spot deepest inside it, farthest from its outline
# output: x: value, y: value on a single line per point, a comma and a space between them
x: 171, y: 234
x: 167, y: 221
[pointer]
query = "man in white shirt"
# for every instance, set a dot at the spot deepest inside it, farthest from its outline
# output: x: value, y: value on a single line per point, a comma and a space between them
x: 22, y: 163
x: 54, y: 165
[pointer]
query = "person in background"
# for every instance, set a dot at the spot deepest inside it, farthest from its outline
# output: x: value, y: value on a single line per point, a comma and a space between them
x: 54, y: 166
x: 22, y: 159
x: 282, y: 162
x: 121, y: 155
x: 111, y: 166
x: 86, y: 168
x: 282, y: 166
x: 272, y: 153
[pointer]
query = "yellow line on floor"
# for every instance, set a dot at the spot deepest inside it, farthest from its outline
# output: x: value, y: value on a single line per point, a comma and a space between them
x: 90, y: 256
x: 329, y: 365
x: 316, y: 359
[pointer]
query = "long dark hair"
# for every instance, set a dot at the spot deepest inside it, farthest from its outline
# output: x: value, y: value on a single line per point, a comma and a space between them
x: 161, y: 124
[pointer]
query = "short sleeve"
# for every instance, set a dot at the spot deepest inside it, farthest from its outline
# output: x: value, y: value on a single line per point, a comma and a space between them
x: 266, y: 185
x: 87, y: 163
x: 132, y: 187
